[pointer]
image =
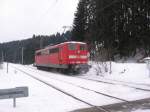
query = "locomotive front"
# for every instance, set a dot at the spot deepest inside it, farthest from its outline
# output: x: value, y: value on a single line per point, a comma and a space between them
x: 77, y: 55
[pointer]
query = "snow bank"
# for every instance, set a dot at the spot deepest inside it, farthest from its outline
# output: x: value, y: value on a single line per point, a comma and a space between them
x: 129, y: 72
x: 141, y: 111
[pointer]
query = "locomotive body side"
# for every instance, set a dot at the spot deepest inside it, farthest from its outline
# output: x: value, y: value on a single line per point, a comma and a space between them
x: 50, y: 57
x: 68, y: 55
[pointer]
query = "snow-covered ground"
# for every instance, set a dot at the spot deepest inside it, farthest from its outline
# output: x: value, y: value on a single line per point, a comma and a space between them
x: 127, y: 72
x: 142, y: 110
x: 43, y: 98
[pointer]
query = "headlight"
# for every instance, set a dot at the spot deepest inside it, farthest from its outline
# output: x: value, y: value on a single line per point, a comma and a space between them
x: 83, y: 57
x: 72, y: 56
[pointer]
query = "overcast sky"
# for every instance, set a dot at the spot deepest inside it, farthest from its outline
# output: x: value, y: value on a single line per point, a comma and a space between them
x: 20, y: 19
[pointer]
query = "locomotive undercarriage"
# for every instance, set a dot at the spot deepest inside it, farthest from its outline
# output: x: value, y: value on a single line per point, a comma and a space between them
x: 66, y: 69
x: 76, y: 69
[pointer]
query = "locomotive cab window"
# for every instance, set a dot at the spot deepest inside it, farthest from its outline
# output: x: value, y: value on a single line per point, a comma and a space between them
x: 72, y: 46
x: 38, y: 53
x: 83, y: 47
x: 45, y: 52
x: 54, y: 50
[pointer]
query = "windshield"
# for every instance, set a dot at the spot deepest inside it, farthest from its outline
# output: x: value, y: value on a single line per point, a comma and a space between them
x: 83, y: 47
x: 72, y: 46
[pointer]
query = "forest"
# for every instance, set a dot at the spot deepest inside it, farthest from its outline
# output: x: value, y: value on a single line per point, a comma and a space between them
x: 12, y: 51
x: 116, y: 28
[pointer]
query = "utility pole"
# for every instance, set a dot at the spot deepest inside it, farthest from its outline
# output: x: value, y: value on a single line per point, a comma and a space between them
x: 41, y: 43
x: 7, y: 67
x: 22, y: 55
x: 14, y: 57
x: 2, y: 57
x: 1, y: 61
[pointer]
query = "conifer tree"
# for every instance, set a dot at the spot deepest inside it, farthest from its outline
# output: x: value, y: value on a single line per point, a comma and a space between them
x: 79, y: 22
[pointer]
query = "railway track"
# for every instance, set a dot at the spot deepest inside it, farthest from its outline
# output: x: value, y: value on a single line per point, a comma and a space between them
x: 101, y: 93
x: 106, y: 82
x: 116, y: 82
x: 100, y: 108
x: 113, y: 83
x: 134, y: 83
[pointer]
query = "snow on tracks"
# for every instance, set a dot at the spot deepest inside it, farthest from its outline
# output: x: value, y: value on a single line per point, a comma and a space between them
x: 80, y: 95
x: 118, y: 90
x: 87, y: 90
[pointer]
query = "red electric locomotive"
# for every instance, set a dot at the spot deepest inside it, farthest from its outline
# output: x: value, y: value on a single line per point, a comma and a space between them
x: 65, y: 56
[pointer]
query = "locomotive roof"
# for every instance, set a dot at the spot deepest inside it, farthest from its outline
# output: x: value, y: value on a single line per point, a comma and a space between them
x: 60, y: 44
x: 74, y: 42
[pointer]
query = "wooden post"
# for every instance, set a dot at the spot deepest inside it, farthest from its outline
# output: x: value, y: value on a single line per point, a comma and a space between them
x: 110, y: 71
x: 7, y: 67
x: 149, y: 67
x: 22, y: 55
x: 14, y: 102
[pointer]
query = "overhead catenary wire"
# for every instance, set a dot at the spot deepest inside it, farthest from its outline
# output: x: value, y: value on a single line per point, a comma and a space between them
x: 51, y: 7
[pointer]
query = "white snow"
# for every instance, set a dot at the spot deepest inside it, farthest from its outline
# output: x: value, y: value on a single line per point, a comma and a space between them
x: 43, y: 98
x: 100, y: 87
x: 147, y: 58
x: 127, y: 72
x: 142, y: 110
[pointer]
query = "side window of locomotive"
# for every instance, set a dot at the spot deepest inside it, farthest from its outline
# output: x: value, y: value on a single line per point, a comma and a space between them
x: 45, y: 52
x: 83, y: 47
x: 72, y: 46
x: 55, y: 50
x: 38, y: 53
